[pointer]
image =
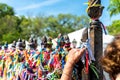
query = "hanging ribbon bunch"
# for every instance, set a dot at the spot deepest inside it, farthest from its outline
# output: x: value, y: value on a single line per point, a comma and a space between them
x: 88, y: 51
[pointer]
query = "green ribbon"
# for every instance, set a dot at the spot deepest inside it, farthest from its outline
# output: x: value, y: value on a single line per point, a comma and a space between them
x: 94, y: 69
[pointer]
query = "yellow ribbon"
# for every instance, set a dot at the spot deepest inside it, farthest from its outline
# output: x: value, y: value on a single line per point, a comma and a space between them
x: 96, y: 5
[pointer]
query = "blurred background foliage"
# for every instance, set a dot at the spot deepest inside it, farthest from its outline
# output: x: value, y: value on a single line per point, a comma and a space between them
x: 13, y: 27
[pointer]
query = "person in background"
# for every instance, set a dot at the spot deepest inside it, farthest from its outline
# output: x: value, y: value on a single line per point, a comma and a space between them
x: 111, y: 59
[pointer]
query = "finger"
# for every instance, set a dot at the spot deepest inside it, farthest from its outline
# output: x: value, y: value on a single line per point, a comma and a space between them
x: 81, y: 52
x: 83, y: 49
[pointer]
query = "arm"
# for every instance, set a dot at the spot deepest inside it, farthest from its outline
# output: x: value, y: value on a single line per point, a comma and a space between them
x: 73, y: 57
x: 67, y: 72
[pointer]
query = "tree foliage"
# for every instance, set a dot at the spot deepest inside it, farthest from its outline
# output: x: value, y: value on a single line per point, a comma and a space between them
x: 114, y: 7
x: 8, y: 28
x: 5, y: 10
x: 65, y: 23
x: 13, y: 27
x: 114, y: 28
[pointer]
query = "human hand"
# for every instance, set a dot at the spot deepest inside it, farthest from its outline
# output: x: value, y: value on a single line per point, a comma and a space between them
x: 74, y: 55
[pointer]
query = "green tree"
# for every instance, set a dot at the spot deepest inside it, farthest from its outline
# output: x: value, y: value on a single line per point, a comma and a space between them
x: 53, y: 25
x: 114, y: 7
x: 9, y: 30
x: 114, y: 28
x: 65, y: 23
x: 5, y: 10
x: 9, y: 24
x: 24, y: 27
x: 13, y: 27
x: 38, y: 26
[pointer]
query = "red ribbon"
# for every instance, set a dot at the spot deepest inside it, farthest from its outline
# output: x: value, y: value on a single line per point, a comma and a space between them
x: 87, y: 61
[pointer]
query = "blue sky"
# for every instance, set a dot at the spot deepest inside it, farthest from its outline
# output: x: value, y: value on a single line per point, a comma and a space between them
x: 55, y: 7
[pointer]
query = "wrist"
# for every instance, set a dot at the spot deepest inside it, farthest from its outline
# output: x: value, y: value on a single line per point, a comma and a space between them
x: 70, y: 63
x: 67, y: 72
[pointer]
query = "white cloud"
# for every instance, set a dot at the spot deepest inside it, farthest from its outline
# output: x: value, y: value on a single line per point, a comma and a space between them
x: 38, y: 5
